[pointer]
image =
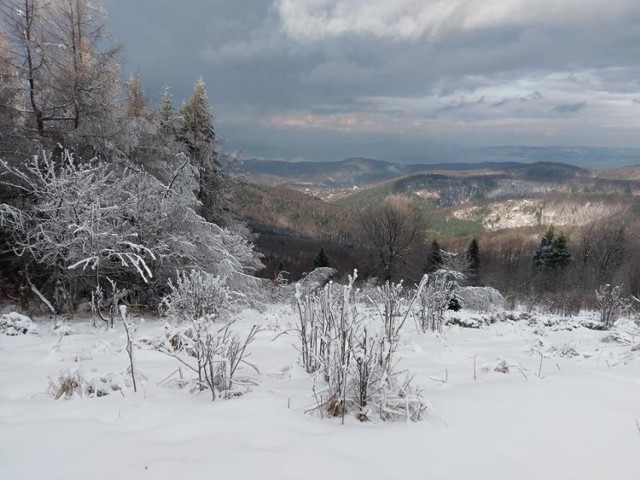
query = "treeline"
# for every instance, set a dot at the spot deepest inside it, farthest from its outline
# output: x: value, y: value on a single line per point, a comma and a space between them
x: 102, y: 194
x: 559, y: 269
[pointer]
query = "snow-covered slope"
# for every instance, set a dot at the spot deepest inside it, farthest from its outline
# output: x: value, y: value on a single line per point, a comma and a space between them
x: 576, y: 420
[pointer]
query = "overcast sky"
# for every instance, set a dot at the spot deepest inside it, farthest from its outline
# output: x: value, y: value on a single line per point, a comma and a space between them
x: 336, y: 78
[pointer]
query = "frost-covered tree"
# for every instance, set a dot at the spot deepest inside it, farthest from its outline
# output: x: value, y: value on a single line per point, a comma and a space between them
x: 166, y: 113
x: 84, y: 224
x: 136, y: 100
x: 198, y: 134
x: 68, y: 66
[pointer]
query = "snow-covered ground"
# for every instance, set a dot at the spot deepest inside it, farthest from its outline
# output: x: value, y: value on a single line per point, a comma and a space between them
x: 577, y: 419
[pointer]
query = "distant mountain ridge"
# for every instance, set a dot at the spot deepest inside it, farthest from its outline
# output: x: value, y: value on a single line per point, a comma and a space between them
x: 363, y: 171
x: 435, y: 154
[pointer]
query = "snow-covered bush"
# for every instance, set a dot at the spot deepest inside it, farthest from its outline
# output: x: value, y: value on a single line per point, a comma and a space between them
x: 434, y: 300
x: 352, y: 354
x: 611, y: 304
x: 482, y: 299
x: 73, y: 384
x: 212, y: 352
x: 197, y: 295
x: 86, y: 222
x: 16, y: 324
x: 203, y: 340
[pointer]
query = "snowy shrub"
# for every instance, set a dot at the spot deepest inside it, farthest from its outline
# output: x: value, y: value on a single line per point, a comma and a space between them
x: 352, y: 355
x: 68, y: 385
x: 469, y: 322
x: 611, y: 304
x: 482, y: 299
x: 210, y: 351
x: 203, y: 340
x: 63, y: 329
x: 434, y: 300
x: 565, y: 350
x: 73, y: 384
x: 86, y: 222
x: 16, y: 324
x: 197, y: 295
x: 502, y: 367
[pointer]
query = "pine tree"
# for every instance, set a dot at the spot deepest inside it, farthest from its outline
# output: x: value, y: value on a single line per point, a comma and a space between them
x: 321, y: 260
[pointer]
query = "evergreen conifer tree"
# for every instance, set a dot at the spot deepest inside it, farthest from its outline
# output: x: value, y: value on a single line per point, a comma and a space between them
x: 198, y: 134
x: 321, y: 260
x: 167, y: 112
x: 434, y: 259
x: 473, y: 258
x: 552, y: 253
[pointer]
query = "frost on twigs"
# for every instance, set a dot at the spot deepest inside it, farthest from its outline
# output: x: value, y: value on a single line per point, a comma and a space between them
x: 611, y: 304
x: 351, y: 354
x: 202, y: 339
x: 197, y: 295
x: 435, y: 297
x: 90, y: 221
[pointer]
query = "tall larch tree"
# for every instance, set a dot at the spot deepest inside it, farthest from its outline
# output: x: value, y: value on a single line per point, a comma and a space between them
x: 136, y: 100
x: 68, y: 65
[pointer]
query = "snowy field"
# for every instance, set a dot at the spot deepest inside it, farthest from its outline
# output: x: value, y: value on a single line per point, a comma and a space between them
x: 573, y: 416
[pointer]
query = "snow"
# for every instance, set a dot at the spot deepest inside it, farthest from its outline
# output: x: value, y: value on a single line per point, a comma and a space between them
x: 576, y: 419
x: 13, y: 323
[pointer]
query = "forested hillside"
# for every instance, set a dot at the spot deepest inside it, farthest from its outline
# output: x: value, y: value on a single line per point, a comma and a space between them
x: 103, y: 196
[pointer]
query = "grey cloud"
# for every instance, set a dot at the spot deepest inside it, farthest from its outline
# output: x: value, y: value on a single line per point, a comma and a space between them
x: 528, y: 68
x: 569, y: 107
x: 518, y: 99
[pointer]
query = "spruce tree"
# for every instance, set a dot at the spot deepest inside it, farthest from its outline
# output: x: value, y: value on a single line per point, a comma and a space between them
x: 197, y: 123
x: 473, y: 258
x: 198, y: 135
x: 321, y: 260
x: 552, y: 253
x: 167, y: 112
x: 434, y: 259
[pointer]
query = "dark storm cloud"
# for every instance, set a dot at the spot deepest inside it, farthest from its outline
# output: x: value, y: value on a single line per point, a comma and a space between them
x: 505, y: 69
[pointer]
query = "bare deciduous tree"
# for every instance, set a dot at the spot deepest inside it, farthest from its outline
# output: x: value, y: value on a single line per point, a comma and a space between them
x: 394, y: 229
